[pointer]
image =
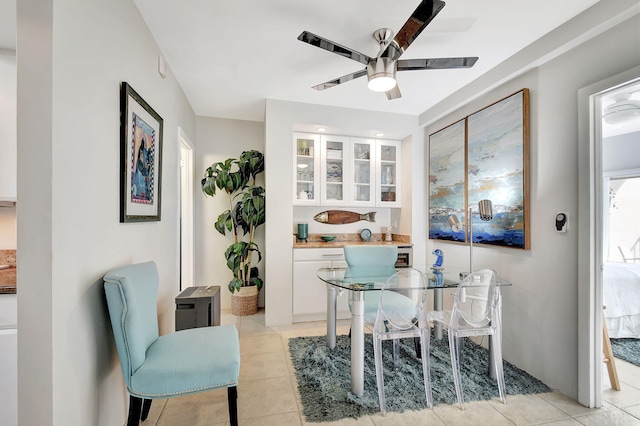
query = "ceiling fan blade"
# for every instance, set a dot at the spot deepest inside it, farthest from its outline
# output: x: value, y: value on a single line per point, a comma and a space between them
x: 435, y: 63
x: 393, y: 93
x: 340, y: 80
x: 332, y: 47
x: 419, y: 19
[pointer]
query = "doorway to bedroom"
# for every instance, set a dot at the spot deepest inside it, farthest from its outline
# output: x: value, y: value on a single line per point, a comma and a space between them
x: 620, y: 237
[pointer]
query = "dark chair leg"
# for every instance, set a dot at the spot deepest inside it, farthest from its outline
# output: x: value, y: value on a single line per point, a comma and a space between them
x: 416, y: 344
x: 135, y: 406
x: 232, y: 396
x: 146, y: 406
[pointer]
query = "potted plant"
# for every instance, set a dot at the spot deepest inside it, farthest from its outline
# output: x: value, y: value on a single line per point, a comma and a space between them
x: 237, y: 179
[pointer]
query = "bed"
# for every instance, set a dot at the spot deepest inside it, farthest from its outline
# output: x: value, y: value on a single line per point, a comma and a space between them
x: 621, y: 296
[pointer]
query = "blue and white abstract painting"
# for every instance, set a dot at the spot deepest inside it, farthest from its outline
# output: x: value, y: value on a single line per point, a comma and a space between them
x: 495, y: 144
x: 496, y: 170
x: 447, y: 181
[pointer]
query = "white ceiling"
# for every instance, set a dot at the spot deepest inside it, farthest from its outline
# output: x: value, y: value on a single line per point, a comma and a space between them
x: 230, y: 56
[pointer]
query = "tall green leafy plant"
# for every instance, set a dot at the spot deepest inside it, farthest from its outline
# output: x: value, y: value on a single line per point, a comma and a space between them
x: 237, y: 179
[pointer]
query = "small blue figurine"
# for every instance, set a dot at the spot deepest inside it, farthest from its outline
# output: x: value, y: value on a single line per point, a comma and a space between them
x: 439, y: 258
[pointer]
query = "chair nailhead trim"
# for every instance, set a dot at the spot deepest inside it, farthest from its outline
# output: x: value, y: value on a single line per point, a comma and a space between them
x: 225, y: 385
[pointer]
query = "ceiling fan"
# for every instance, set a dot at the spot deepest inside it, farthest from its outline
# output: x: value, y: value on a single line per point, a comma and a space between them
x: 381, y: 70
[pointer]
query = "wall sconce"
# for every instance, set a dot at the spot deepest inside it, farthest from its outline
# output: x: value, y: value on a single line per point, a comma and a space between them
x: 485, y: 211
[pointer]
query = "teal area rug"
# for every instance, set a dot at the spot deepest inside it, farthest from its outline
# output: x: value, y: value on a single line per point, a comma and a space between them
x: 627, y: 349
x: 325, y: 389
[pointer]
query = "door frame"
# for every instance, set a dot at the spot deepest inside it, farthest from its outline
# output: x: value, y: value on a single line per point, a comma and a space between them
x: 186, y: 210
x: 590, y: 244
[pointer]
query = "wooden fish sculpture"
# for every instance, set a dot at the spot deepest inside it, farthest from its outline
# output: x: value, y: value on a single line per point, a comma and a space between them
x: 335, y: 217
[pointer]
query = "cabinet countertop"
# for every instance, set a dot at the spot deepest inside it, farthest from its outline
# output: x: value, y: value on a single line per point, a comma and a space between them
x: 315, y: 241
x: 340, y: 244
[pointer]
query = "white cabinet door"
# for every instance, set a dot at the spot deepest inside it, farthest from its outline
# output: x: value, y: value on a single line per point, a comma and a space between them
x: 362, y: 179
x: 306, y: 169
x: 8, y: 134
x: 334, y: 170
x: 309, y: 292
x: 388, y: 185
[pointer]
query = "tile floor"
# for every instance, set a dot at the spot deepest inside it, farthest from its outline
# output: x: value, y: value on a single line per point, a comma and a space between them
x: 267, y: 393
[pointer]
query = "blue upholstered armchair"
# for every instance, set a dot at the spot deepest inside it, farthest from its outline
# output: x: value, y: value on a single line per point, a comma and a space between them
x: 180, y: 363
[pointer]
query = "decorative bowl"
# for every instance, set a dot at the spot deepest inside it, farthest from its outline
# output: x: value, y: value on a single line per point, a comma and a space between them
x: 327, y: 238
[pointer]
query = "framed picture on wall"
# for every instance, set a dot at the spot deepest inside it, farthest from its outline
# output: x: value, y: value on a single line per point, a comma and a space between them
x: 141, y: 158
x: 497, y: 170
x: 447, y: 194
x: 484, y: 156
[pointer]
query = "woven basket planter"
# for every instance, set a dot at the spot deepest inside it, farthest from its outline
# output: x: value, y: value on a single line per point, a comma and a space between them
x: 245, y: 301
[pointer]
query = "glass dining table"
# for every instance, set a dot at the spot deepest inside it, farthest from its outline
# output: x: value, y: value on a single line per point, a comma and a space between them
x: 341, y: 279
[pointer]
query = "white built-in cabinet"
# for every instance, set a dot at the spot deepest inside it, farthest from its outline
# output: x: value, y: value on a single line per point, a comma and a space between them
x: 362, y: 175
x: 388, y: 185
x: 346, y: 171
x: 335, y: 167
x: 309, y: 292
x: 306, y: 170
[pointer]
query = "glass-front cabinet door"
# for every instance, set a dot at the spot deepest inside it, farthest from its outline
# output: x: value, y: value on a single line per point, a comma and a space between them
x: 334, y: 170
x: 363, y: 172
x: 388, y: 173
x: 306, y: 170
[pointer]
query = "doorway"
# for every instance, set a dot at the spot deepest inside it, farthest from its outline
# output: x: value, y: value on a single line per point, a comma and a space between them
x: 592, y: 101
x: 186, y: 211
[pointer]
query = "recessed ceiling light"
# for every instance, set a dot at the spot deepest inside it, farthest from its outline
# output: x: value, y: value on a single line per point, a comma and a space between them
x: 379, y: 135
x: 321, y: 129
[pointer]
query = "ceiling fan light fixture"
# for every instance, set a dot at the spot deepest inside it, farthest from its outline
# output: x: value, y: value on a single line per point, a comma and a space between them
x: 381, y: 83
x: 621, y: 111
x: 381, y: 74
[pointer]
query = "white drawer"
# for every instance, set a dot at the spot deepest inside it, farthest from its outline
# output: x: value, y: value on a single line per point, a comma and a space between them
x: 318, y: 254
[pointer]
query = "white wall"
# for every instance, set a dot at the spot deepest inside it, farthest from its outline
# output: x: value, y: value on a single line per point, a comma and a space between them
x: 8, y: 149
x: 7, y: 126
x: 217, y: 140
x: 541, y: 309
x: 72, y: 57
x: 7, y: 228
x: 281, y: 119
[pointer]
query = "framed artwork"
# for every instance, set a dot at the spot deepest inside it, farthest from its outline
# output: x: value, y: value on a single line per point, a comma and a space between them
x: 141, y: 158
x: 494, y: 158
x: 497, y: 170
x: 447, y: 184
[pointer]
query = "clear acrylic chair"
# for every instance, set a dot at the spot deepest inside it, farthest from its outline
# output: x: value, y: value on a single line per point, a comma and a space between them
x: 401, y: 314
x: 475, y: 313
